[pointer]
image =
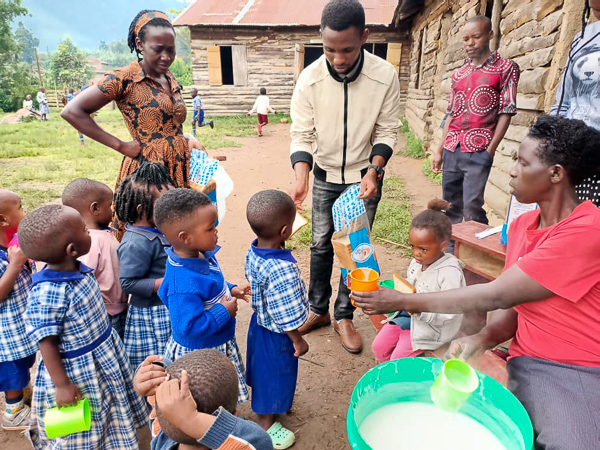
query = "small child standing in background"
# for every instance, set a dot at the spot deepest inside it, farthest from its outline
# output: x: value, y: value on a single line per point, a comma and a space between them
x: 82, y: 356
x: 197, y: 399
x: 431, y: 270
x: 198, y: 116
x: 261, y: 108
x: 142, y: 257
x: 17, y: 350
x: 280, y: 304
x: 93, y: 201
x: 202, y: 305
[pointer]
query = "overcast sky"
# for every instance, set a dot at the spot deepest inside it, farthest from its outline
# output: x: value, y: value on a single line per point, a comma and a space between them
x: 87, y: 22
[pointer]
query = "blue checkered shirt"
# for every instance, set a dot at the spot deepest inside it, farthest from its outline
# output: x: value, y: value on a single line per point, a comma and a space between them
x: 68, y: 305
x: 279, y: 296
x: 14, y: 342
x: 197, y: 103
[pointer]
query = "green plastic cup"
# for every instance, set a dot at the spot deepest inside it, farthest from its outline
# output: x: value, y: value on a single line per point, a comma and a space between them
x: 410, y: 380
x: 68, y: 420
x: 387, y: 284
x: 390, y: 285
x: 454, y: 385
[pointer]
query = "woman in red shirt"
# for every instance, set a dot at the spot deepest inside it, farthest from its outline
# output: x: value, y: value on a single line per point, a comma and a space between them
x: 548, y: 298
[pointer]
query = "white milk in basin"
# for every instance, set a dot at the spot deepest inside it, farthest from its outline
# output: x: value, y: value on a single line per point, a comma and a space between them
x: 423, y: 426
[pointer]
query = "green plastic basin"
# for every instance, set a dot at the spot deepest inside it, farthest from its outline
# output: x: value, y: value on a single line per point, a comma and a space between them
x: 409, y: 380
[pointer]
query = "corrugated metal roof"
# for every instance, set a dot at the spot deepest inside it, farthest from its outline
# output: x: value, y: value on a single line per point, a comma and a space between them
x: 274, y: 12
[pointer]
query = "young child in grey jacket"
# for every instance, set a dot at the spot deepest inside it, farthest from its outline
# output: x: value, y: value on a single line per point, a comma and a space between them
x: 431, y: 270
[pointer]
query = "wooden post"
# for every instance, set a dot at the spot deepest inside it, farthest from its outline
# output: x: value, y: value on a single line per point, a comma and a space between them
x: 496, y: 17
x: 38, y: 67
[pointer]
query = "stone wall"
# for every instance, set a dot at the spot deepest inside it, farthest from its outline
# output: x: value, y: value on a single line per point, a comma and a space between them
x: 534, y: 33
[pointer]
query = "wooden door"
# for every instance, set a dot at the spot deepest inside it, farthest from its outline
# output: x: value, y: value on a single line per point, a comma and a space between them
x: 215, y: 76
x: 240, y: 65
x: 394, y: 55
x: 298, y: 60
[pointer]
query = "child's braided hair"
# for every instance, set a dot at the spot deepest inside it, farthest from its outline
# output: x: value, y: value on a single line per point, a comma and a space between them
x: 135, y: 191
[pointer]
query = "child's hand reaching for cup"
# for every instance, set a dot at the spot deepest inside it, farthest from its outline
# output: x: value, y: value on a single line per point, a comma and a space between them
x: 231, y: 305
x: 149, y: 376
x: 242, y: 292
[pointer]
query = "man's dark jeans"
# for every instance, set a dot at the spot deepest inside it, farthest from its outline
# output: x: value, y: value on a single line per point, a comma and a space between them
x: 321, y: 251
x: 463, y: 185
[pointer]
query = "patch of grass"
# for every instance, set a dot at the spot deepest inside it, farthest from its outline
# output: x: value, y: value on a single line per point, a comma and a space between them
x: 414, y: 146
x: 404, y: 128
x: 393, y: 218
x: 435, y: 177
x: 302, y: 239
x: 38, y: 159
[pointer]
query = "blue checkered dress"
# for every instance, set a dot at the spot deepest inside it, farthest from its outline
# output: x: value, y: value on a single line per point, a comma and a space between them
x: 15, y: 343
x: 229, y: 349
x: 69, y: 305
x: 147, y: 331
x: 279, y: 296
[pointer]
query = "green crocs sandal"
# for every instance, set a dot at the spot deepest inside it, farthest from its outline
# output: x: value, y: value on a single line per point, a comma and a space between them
x: 282, y: 437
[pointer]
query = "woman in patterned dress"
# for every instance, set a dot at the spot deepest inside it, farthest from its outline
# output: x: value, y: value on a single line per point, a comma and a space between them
x: 148, y: 96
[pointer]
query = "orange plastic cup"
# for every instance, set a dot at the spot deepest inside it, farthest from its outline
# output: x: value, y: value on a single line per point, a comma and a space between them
x: 363, y: 280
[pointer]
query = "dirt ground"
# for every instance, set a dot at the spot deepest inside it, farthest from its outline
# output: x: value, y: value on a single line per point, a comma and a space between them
x: 327, y: 373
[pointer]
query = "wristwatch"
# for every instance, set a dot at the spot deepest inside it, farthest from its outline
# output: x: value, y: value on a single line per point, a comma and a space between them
x: 380, y: 170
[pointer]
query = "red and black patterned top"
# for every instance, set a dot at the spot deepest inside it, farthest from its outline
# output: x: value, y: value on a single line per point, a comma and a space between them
x: 153, y: 117
x: 479, y: 94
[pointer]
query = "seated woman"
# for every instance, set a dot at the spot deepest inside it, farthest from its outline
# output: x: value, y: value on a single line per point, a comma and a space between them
x: 548, y: 298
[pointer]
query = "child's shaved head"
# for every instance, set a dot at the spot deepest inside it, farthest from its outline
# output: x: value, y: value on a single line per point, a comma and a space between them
x: 82, y: 192
x: 213, y: 383
x: 45, y: 233
x: 269, y: 211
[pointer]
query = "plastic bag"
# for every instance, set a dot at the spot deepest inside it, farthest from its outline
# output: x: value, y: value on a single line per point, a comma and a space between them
x: 352, y: 238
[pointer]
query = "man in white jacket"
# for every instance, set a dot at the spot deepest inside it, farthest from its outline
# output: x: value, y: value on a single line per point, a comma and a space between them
x: 345, y: 112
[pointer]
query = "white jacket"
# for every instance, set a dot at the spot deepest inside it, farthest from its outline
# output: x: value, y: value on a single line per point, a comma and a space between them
x: 343, y: 122
x: 429, y: 331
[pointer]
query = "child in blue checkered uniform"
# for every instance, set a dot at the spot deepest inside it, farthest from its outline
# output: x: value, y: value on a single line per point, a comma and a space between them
x: 17, y: 350
x: 198, y: 117
x: 280, y: 304
x: 82, y: 356
x: 202, y: 305
x: 142, y: 258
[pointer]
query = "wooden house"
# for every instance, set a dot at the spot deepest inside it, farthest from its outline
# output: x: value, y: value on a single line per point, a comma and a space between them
x: 536, y: 34
x: 239, y: 46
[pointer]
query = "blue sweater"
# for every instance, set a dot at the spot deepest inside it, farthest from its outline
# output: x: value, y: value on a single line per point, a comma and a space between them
x: 191, y: 290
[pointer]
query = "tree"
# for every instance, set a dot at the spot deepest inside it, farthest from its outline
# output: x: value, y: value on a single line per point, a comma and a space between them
x: 182, y: 40
x: 15, y: 80
x: 28, y: 42
x: 103, y: 47
x: 69, y: 66
x: 182, y: 71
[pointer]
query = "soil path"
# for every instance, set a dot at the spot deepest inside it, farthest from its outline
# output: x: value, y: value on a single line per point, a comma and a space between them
x: 327, y: 373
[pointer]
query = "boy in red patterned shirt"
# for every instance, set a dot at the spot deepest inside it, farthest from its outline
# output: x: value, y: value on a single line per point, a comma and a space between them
x: 481, y: 105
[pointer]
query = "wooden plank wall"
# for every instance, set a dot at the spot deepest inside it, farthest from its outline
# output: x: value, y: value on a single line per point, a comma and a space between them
x: 270, y: 63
